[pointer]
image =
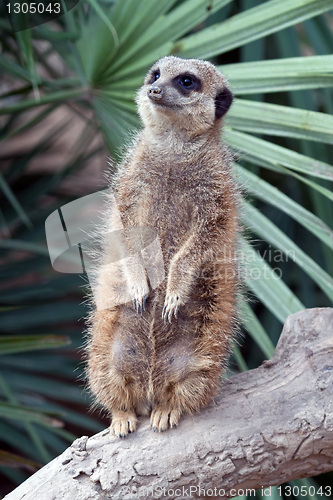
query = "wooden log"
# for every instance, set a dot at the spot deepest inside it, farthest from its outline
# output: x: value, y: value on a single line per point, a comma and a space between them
x: 266, y: 426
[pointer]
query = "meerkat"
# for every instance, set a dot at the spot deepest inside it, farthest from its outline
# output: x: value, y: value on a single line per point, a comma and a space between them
x: 165, y: 355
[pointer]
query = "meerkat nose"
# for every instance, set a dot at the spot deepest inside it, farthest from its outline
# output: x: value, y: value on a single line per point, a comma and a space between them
x: 154, y: 93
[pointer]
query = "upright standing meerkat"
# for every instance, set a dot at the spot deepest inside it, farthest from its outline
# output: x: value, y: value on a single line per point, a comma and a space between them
x: 165, y: 355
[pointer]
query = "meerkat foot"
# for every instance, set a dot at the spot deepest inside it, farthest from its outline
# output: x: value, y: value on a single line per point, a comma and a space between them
x: 122, y: 423
x: 161, y: 419
x: 171, y: 306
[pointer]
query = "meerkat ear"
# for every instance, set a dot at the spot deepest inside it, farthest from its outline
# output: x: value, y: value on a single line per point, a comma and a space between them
x: 223, y: 101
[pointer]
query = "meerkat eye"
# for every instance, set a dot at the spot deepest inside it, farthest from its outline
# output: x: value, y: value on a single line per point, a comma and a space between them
x: 187, y: 81
x: 155, y: 76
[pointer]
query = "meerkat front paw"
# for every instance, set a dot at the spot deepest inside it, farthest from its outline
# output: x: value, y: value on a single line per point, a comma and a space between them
x: 136, y: 282
x: 139, y: 294
x: 172, y: 304
x: 161, y: 419
x: 122, y: 423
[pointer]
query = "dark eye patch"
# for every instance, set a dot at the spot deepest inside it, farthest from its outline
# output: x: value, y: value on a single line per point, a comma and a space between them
x: 186, y: 83
x: 154, y: 76
x: 223, y: 101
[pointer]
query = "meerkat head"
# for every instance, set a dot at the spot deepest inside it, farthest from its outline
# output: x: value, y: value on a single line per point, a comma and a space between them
x: 186, y: 95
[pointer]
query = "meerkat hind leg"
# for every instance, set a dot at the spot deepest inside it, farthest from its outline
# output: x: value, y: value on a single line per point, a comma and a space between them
x: 123, y: 422
x: 162, y: 418
x: 186, y: 396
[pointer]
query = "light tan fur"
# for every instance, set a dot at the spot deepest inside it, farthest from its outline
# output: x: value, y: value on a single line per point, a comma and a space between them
x: 176, y: 178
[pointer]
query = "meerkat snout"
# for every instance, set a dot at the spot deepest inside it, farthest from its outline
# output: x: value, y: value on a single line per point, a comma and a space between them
x: 155, y: 93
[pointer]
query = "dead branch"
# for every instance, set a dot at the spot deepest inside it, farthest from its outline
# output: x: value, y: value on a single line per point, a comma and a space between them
x: 267, y: 426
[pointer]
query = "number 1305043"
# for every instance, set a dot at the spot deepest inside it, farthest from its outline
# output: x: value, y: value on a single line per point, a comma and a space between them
x: 295, y: 491
x: 33, y: 8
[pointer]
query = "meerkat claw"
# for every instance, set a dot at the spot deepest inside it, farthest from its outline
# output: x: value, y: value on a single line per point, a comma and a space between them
x: 171, y: 307
x: 163, y: 314
x: 138, y: 299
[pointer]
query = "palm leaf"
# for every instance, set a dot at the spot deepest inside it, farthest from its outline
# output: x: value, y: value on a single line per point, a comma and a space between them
x: 264, y: 228
x: 23, y: 413
x: 284, y: 121
x: 280, y: 75
x: 23, y: 343
x: 14, y: 202
x: 250, y: 25
x: 168, y: 27
x: 255, y: 329
x: 266, y: 284
x: 273, y: 196
x: 268, y: 155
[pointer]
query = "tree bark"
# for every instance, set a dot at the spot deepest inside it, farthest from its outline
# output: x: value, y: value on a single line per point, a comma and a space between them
x: 266, y: 426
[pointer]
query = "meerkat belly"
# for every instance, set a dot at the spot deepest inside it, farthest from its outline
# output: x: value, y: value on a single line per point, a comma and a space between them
x: 170, y: 212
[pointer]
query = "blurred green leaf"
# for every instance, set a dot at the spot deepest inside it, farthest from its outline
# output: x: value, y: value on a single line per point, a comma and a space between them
x: 266, y: 284
x: 280, y: 75
x: 44, y: 314
x: 14, y: 202
x: 255, y: 329
x: 143, y: 52
x: 25, y: 44
x: 267, y: 154
x: 24, y: 246
x: 18, y: 412
x: 328, y: 193
x: 273, y: 196
x: 45, y: 99
x: 273, y: 119
x: 47, y: 386
x: 241, y: 363
x: 9, y: 66
x: 11, y: 460
x: 23, y: 343
x: 254, y: 23
x: 264, y: 228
